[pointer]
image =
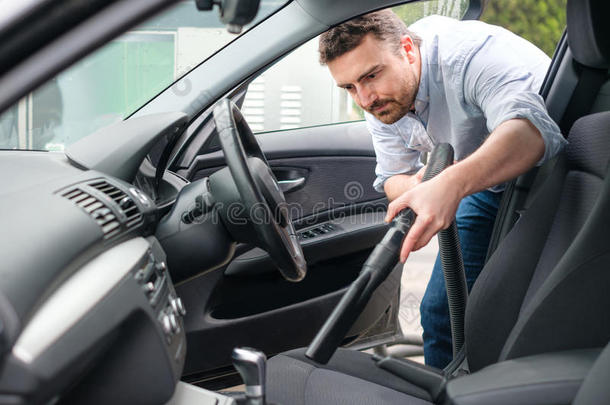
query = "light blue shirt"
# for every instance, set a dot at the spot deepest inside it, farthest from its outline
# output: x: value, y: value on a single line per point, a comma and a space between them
x: 474, y: 76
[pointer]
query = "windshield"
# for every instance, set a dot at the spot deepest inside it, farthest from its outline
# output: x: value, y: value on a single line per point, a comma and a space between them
x: 113, y: 82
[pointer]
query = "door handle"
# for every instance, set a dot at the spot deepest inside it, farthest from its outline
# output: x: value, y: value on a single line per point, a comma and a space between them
x: 291, y: 184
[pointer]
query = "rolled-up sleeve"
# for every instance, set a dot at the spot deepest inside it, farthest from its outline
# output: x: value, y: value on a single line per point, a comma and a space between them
x: 392, y: 152
x: 504, y: 91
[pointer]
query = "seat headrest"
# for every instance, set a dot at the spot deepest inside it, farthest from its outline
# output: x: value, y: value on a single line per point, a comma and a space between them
x: 589, y: 32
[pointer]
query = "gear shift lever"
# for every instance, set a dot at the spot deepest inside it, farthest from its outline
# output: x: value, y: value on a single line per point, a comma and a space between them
x: 251, y: 365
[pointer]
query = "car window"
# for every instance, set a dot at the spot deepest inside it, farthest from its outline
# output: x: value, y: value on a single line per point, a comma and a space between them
x: 297, y: 92
x: 540, y: 22
x: 113, y: 82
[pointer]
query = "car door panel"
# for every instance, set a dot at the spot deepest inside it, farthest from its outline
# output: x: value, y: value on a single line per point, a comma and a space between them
x: 290, y: 179
x: 246, y: 301
x: 336, y: 238
x: 269, y: 313
x: 345, y: 139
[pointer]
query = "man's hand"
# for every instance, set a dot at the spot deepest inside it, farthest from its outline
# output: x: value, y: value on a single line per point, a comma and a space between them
x: 510, y: 150
x: 435, y: 202
x: 400, y: 183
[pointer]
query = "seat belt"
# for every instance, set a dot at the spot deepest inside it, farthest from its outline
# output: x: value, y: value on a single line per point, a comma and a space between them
x: 583, y: 96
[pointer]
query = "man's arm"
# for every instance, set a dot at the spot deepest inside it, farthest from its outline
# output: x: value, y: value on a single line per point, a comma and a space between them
x: 400, y: 183
x: 510, y: 150
x: 499, y: 82
x: 396, y: 163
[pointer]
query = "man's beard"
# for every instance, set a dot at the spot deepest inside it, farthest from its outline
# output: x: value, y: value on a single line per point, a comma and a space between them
x: 393, y: 111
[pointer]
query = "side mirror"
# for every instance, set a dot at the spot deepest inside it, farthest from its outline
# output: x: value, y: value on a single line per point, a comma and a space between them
x: 234, y: 13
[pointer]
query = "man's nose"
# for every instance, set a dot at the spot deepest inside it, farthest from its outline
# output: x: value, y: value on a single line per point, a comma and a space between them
x: 366, y: 96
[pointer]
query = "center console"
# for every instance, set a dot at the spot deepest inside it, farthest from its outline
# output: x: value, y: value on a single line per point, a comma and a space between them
x: 154, y: 280
x: 112, y: 332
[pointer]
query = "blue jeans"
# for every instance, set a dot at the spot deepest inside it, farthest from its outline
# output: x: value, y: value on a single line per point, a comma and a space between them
x: 475, y: 220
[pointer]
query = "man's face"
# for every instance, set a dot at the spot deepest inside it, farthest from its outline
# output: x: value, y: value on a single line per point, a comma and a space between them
x: 381, y: 80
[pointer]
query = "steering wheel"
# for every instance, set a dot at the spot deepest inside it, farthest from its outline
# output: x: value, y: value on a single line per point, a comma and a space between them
x: 259, y: 192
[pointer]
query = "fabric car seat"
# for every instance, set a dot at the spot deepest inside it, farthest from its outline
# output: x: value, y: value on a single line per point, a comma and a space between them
x: 595, y: 389
x: 543, y: 290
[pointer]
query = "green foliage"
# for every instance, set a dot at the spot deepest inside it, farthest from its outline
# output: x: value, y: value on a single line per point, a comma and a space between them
x: 540, y: 22
x: 412, y: 12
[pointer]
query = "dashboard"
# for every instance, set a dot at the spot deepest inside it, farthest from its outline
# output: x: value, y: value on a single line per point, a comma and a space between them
x: 88, y: 310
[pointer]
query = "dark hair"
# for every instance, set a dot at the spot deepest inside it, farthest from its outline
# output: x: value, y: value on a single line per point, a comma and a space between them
x: 383, y: 24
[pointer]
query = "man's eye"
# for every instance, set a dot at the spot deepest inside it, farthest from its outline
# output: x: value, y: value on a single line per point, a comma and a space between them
x: 372, y: 75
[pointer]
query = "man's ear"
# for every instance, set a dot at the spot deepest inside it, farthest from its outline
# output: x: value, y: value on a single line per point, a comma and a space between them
x: 406, y: 43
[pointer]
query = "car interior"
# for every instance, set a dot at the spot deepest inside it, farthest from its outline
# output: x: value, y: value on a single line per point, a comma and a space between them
x: 176, y: 253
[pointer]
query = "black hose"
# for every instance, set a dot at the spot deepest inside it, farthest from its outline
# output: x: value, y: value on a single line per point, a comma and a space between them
x: 374, y: 271
x: 455, y: 282
x: 451, y: 256
x: 440, y: 158
x: 451, y: 259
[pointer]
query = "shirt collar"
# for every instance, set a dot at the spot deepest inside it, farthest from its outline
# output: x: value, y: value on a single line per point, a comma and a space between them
x: 423, y: 93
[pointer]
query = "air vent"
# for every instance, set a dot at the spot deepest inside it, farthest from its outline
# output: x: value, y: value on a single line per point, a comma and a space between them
x: 122, y: 199
x: 100, y: 213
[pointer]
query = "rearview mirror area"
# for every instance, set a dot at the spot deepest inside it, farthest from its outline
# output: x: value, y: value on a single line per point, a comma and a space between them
x: 234, y: 13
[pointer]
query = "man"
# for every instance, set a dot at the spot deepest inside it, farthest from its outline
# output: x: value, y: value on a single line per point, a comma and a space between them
x: 467, y: 83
